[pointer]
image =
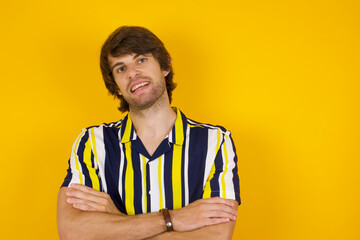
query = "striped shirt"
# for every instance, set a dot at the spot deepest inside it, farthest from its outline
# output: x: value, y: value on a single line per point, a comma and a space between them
x: 194, y: 161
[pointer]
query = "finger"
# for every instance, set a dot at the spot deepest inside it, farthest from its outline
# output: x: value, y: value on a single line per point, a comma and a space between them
x: 213, y: 221
x: 86, y: 189
x: 85, y: 196
x: 215, y: 205
x: 81, y: 202
x: 220, y: 200
x: 221, y: 207
x: 219, y: 214
x: 84, y: 207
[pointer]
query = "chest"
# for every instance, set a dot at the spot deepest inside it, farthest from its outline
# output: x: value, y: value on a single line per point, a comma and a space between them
x: 172, y: 177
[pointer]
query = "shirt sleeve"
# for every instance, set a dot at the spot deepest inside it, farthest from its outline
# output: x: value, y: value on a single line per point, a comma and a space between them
x: 223, y: 180
x: 83, y: 167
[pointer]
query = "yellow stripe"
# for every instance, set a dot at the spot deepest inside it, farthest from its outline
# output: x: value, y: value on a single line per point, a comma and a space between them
x: 179, y: 131
x: 225, y: 170
x: 207, y: 188
x: 176, y: 164
x: 176, y: 177
x: 77, y: 159
x: 94, y: 149
x: 87, y: 160
x: 129, y: 181
x: 195, y: 126
x: 160, y: 183
x: 145, y: 186
x: 127, y: 132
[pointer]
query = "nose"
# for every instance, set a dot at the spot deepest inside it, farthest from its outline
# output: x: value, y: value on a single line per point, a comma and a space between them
x: 133, y: 71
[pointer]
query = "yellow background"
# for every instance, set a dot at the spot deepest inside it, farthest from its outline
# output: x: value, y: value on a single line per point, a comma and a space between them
x: 283, y: 76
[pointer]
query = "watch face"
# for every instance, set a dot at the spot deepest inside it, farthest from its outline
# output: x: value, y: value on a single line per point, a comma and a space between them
x: 168, y: 224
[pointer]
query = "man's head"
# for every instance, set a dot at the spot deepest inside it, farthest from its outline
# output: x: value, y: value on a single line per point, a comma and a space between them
x: 133, y: 40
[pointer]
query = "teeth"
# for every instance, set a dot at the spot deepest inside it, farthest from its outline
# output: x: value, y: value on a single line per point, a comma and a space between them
x: 139, y: 85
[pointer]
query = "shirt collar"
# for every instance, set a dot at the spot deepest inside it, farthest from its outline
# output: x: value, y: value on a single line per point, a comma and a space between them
x: 176, y: 135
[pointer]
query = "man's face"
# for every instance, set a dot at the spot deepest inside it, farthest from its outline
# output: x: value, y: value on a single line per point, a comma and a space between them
x: 140, y: 79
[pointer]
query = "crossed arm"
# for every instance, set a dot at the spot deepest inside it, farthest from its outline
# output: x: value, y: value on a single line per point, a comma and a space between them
x: 84, y: 213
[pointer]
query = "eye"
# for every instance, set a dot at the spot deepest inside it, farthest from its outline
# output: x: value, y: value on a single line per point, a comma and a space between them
x: 142, y: 60
x: 121, y: 69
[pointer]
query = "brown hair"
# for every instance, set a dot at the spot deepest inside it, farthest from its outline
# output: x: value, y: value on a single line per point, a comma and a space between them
x: 138, y: 40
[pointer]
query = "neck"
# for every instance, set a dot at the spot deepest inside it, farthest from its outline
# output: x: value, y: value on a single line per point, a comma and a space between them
x: 154, y: 122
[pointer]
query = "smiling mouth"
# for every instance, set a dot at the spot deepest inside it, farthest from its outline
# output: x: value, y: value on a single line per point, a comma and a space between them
x: 139, y: 86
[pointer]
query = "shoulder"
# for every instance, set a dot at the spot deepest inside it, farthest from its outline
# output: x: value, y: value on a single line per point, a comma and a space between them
x: 206, y: 127
x: 111, y: 126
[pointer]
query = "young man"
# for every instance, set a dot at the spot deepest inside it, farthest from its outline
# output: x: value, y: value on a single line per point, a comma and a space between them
x: 154, y: 174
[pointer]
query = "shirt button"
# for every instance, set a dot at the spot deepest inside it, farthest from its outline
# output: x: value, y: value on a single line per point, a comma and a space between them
x: 150, y: 192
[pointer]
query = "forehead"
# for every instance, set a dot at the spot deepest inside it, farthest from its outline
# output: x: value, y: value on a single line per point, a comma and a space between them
x: 126, y: 57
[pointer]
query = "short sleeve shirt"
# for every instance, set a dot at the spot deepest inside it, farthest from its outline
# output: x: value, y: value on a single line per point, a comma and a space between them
x: 194, y: 161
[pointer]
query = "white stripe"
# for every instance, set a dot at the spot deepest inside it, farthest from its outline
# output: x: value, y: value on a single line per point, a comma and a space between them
x: 170, y: 136
x: 100, y: 150
x: 211, y: 153
x: 222, y: 172
x: 75, y: 174
x: 143, y: 190
x: 163, y: 181
x: 186, y: 166
x: 205, y: 125
x: 154, y: 185
x: 230, y: 191
x: 121, y: 168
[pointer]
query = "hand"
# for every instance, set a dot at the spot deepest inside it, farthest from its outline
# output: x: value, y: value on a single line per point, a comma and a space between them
x: 89, y: 199
x: 203, y: 212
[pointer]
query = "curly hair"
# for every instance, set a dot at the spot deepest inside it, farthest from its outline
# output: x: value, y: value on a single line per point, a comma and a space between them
x: 129, y: 40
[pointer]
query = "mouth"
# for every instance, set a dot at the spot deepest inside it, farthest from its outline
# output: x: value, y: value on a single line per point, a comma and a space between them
x: 137, y: 86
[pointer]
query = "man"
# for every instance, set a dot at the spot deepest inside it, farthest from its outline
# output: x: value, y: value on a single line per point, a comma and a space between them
x: 121, y: 174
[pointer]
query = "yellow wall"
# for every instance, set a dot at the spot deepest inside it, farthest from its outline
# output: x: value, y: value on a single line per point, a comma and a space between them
x: 283, y: 76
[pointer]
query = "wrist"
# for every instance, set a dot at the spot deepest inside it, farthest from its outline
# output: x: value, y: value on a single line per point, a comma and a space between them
x: 167, y: 219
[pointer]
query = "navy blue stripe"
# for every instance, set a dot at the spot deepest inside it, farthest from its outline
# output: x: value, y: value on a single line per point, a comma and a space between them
x: 184, y: 121
x: 123, y: 126
x: 137, y: 182
x: 235, y: 179
x: 197, y: 160
x: 173, y: 134
x: 132, y: 132
x: 68, y: 177
x: 112, y: 165
x: 123, y: 178
x: 80, y: 153
x: 214, y: 182
x: 148, y: 187
x: 182, y: 175
x: 96, y: 170
x: 168, y: 180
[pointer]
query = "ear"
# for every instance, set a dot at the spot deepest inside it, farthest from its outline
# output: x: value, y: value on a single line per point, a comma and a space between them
x: 166, y: 72
x: 118, y: 92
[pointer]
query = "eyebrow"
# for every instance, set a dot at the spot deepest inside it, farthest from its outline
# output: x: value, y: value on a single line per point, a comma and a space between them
x: 121, y: 63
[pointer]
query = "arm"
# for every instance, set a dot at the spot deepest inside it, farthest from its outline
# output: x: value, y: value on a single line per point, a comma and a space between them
x: 77, y: 224
x: 97, y: 220
x: 221, y: 231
